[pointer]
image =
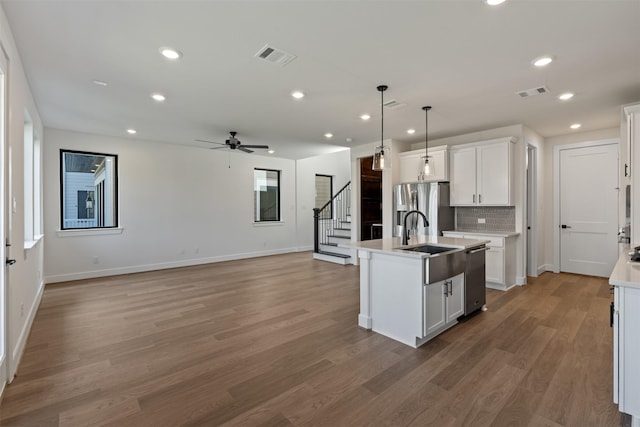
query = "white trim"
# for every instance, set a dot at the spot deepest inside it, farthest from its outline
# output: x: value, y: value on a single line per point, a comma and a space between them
x: 556, y: 190
x: 89, y: 232
x: 522, y: 280
x: 268, y: 223
x: 24, y: 334
x: 531, y: 212
x: 161, y: 266
x: 30, y: 244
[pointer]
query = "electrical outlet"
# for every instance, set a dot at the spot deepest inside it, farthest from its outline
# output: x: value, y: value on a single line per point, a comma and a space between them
x: 482, y: 221
x: 197, y: 250
x: 21, y: 310
x: 96, y: 260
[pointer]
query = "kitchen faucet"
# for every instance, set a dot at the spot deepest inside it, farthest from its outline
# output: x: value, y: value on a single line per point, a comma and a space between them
x: 405, y: 234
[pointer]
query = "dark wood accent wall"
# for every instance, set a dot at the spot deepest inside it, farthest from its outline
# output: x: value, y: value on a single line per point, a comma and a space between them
x: 370, y: 200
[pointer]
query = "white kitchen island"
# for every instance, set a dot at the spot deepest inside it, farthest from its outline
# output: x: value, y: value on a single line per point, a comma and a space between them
x: 626, y: 336
x: 397, y: 297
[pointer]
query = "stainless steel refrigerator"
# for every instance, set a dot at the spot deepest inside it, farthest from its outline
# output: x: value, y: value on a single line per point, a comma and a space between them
x: 430, y: 198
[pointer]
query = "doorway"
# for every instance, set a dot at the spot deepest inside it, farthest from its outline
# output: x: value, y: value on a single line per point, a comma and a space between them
x: 5, y: 213
x: 532, y: 221
x: 370, y: 200
x: 587, y: 207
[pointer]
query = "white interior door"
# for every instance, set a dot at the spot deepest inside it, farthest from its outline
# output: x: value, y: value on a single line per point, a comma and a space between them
x: 589, y: 209
x: 5, y: 215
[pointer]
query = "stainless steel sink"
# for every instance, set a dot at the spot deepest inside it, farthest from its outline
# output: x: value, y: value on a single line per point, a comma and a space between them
x: 431, y: 249
x: 442, y: 263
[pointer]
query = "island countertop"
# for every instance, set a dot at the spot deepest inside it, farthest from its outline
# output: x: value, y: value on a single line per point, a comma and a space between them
x: 393, y: 245
x: 625, y: 273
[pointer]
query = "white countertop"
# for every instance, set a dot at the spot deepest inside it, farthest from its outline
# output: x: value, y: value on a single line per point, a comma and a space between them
x: 394, y: 246
x: 625, y: 273
x: 485, y: 233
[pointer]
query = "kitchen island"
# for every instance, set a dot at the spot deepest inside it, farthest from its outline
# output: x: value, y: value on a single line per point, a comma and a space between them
x: 408, y: 295
x: 625, y: 318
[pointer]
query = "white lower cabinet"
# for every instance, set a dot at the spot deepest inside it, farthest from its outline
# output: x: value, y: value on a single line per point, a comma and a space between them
x: 443, y: 304
x: 626, y: 351
x: 500, y: 261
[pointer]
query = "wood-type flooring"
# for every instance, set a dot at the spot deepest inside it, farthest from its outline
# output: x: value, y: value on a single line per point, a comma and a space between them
x: 274, y: 341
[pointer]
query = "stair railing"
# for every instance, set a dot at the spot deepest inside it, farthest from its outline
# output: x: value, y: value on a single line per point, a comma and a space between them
x: 331, y: 216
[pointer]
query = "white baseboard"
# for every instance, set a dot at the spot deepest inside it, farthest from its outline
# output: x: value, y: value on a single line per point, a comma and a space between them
x: 547, y: 267
x: 521, y: 281
x: 162, y: 266
x: 364, y: 321
x: 16, y: 356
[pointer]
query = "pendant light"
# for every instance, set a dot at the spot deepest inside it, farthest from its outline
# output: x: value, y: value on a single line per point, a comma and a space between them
x: 427, y: 168
x: 378, y: 156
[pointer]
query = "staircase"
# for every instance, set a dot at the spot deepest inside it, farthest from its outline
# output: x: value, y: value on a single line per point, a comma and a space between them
x: 332, y: 225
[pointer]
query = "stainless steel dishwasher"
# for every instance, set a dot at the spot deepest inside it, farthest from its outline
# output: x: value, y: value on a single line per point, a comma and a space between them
x: 475, y: 279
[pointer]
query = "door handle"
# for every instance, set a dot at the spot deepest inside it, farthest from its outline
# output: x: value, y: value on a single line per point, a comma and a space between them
x: 565, y: 226
x: 10, y: 261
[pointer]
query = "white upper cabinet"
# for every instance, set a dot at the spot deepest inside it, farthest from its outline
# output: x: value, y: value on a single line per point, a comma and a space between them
x: 412, y: 165
x: 482, y: 173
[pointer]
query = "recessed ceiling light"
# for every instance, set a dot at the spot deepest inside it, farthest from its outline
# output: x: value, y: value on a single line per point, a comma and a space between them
x: 542, y: 61
x: 365, y: 117
x: 271, y: 151
x: 411, y: 131
x: 575, y: 126
x: 297, y: 94
x: 158, y: 97
x: 328, y: 135
x: 349, y: 139
x: 565, y: 96
x: 170, y: 53
x: 132, y: 131
x: 100, y: 83
x: 494, y: 2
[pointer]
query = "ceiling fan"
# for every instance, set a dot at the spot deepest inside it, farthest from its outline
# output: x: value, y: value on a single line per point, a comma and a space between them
x: 234, y: 144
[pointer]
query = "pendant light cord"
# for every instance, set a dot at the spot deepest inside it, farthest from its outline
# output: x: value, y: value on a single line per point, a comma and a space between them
x: 426, y: 132
x: 382, y: 88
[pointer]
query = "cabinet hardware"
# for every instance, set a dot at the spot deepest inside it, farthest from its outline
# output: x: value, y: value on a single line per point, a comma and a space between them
x: 611, y: 311
x: 626, y: 169
x: 10, y: 261
x: 479, y: 198
x: 565, y: 226
x: 474, y: 198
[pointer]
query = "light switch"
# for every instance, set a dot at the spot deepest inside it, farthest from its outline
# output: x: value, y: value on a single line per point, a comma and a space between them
x: 14, y: 206
x: 482, y: 221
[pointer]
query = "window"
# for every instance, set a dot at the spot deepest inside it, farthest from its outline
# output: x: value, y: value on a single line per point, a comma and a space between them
x: 324, y: 190
x: 266, y: 195
x: 89, y: 193
x: 32, y: 184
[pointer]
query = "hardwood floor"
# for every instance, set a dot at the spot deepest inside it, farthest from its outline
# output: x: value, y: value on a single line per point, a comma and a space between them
x: 274, y: 341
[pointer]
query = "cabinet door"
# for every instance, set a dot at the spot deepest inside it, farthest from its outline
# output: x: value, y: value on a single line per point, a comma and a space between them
x: 494, y: 178
x: 439, y: 166
x: 434, y: 307
x: 494, y: 264
x: 455, y: 299
x: 463, y: 177
x: 410, y: 167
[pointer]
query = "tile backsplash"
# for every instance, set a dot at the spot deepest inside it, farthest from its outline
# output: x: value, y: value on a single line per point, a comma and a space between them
x: 496, y: 218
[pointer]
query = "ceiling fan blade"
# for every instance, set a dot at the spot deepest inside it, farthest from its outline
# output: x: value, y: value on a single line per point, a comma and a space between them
x: 216, y: 148
x: 242, y: 148
x: 210, y: 142
x: 266, y: 147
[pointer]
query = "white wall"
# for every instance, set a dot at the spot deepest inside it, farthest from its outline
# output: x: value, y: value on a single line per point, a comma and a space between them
x: 178, y: 206
x: 549, y: 179
x: 25, y: 283
x: 338, y: 166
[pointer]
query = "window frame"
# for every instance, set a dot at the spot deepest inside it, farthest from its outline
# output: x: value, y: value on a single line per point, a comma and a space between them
x: 116, y: 204
x: 330, y: 194
x: 279, y: 211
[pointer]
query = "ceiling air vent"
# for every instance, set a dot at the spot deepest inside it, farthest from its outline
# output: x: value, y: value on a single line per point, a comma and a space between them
x: 393, y: 104
x: 531, y: 92
x: 275, y: 55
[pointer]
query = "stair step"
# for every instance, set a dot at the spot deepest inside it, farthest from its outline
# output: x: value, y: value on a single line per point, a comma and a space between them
x: 342, y: 228
x: 332, y: 257
x: 337, y: 236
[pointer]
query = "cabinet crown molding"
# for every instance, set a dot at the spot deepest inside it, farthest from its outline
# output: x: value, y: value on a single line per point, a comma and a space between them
x: 510, y: 139
x: 630, y: 109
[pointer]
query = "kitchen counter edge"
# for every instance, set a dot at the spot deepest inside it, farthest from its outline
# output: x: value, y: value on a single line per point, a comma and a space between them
x: 393, y: 245
x: 626, y: 273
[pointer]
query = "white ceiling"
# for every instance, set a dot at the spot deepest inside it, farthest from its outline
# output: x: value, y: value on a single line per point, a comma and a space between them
x: 464, y: 58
